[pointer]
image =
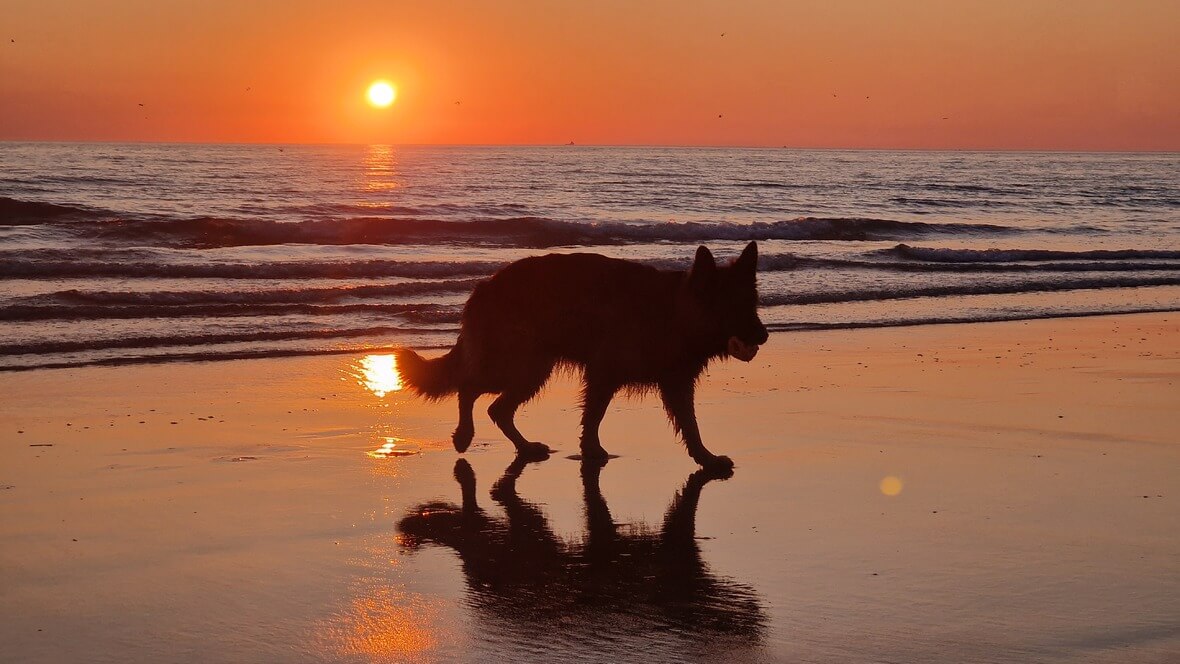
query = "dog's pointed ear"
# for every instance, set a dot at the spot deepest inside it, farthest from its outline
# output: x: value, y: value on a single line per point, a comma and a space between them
x: 748, y: 261
x: 704, y: 268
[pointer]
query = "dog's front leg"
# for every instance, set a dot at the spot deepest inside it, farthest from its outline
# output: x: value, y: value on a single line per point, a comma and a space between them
x: 596, y: 397
x: 678, y: 402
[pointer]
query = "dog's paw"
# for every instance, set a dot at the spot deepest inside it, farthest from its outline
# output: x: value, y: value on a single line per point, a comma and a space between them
x: 462, y: 439
x: 533, y: 451
x: 717, y: 466
x: 593, y: 452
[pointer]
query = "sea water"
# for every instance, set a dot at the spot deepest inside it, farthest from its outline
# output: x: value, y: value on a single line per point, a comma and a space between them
x: 129, y: 253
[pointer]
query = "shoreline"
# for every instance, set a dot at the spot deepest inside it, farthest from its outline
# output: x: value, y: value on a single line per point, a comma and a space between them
x: 774, y: 329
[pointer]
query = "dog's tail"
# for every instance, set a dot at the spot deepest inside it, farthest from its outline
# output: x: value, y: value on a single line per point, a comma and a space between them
x: 434, y: 378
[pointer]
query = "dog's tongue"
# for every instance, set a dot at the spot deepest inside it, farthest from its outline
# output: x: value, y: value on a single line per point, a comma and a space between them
x: 741, y: 350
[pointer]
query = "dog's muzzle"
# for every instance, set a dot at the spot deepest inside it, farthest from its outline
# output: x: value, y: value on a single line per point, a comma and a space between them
x: 742, y: 350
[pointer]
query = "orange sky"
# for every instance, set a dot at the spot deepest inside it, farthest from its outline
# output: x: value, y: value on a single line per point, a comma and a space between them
x: 1081, y: 74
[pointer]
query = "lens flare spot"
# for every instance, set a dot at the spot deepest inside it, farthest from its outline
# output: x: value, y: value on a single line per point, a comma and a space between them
x: 891, y: 486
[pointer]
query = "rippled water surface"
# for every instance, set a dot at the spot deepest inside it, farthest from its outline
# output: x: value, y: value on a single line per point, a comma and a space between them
x: 130, y: 253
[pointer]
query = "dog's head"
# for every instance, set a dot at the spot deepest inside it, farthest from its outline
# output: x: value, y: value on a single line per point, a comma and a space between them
x: 729, y: 297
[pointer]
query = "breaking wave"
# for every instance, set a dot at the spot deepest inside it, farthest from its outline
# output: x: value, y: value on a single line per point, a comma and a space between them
x: 260, y: 297
x: 15, y: 212
x: 527, y: 231
x: 423, y: 313
x: 157, y: 341
x: 1009, y: 255
x: 899, y: 293
x: 16, y: 268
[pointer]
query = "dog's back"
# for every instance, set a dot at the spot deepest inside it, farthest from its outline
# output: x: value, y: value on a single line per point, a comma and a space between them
x: 584, y: 309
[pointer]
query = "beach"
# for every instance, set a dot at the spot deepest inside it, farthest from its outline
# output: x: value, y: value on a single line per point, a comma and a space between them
x: 1000, y: 492
x: 846, y: 333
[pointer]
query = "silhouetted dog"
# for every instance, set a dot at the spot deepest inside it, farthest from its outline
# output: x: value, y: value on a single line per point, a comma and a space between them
x: 629, y: 326
x: 651, y: 585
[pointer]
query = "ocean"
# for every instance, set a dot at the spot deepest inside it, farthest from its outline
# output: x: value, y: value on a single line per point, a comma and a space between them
x: 139, y: 253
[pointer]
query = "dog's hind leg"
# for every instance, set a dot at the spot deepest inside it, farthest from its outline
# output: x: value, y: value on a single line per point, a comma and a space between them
x: 466, y: 429
x: 503, y: 409
x: 678, y: 402
x: 503, y: 413
x: 596, y: 396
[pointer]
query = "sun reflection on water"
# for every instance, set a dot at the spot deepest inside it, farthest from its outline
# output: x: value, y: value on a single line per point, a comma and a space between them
x: 380, y: 169
x: 384, y: 624
x: 379, y: 374
x: 391, y: 448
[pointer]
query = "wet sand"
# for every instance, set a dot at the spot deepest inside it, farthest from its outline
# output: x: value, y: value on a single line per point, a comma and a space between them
x: 1002, y: 492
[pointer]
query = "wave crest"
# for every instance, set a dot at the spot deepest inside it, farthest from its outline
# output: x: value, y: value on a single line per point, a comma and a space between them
x: 943, y: 255
x: 529, y: 232
x: 15, y: 212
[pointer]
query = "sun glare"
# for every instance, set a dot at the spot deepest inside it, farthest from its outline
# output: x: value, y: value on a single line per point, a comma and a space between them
x: 379, y: 374
x: 381, y: 94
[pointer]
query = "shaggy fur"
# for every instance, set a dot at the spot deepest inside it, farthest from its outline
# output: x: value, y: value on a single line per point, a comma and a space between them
x: 626, y: 325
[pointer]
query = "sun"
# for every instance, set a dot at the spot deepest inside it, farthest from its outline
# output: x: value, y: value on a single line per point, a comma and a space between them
x: 381, y: 94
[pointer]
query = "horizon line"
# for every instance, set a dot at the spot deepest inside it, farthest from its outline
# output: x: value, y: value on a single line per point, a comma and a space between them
x: 686, y: 146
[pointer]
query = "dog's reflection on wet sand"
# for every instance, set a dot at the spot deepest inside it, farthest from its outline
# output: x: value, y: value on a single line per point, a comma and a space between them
x: 614, y: 581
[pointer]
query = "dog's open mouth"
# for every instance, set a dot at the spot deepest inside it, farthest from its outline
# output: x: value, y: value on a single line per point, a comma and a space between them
x: 741, y: 350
